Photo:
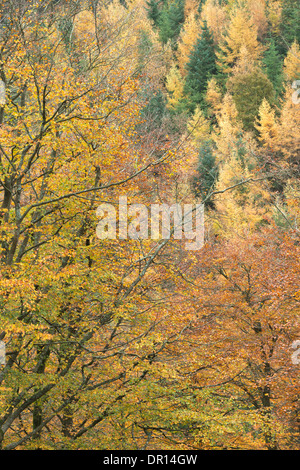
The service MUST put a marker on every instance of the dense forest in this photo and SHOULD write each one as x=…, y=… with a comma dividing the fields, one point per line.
x=140, y=343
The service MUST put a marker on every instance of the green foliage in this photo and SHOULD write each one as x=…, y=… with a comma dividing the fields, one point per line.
x=200, y=6
x=170, y=21
x=154, y=11
x=248, y=91
x=290, y=22
x=200, y=68
x=273, y=65
x=207, y=173
x=155, y=108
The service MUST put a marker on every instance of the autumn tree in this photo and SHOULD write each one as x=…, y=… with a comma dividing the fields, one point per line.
x=241, y=32
x=273, y=64
x=249, y=87
x=289, y=25
x=154, y=11
x=186, y=41
x=82, y=329
x=248, y=299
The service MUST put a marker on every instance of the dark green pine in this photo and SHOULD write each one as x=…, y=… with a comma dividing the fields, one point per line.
x=200, y=67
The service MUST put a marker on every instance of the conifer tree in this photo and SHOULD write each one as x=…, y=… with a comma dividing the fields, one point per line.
x=200, y=68
x=154, y=12
x=207, y=173
x=215, y=14
x=273, y=65
x=174, y=86
x=241, y=33
x=290, y=22
x=186, y=41
x=266, y=125
x=292, y=63
x=213, y=96
x=198, y=127
x=170, y=22
x=249, y=85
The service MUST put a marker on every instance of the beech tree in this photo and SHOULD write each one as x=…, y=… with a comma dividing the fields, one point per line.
x=78, y=349
x=137, y=342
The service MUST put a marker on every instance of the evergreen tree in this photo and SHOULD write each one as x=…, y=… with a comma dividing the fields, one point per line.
x=170, y=21
x=154, y=12
x=290, y=23
x=273, y=66
x=155, y=109
x=241, y=33
x=200, y=67
x=207, y=173
x=200, y=6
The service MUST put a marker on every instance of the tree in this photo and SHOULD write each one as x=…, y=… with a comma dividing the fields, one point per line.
x=213, y=96
x=291, y=67
x=200, y=67
x=267, y=124
x=214, y=13
x=248, y=298
x=207, y=174
x=175, y=88
x=171, y=21
x=81, y=327
x=241, y=32
x=257, y=10
x=228, y=129
x=198, y=127
x=249, y=86
x=154, y=11
x=273, y=64
x=186, y=41
x=289, y=26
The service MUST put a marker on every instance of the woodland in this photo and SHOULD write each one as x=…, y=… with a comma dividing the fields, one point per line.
x=142, y=344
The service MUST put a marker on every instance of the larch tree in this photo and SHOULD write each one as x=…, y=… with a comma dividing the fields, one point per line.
x=241, y=32
x=186, y=41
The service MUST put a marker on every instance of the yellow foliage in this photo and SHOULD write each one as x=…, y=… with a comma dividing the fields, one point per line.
x=288, y=140
x=241, y=32
x=216, y=17
x=274, y=11
x=228, y=127
x=198, y=127
x=190, y=6
x=257, y=9
x=84, y=25
x=187, y=39
x=244, y=206
x=267, y=124
x=292, y=63
x=175, y=86
x=213, y=95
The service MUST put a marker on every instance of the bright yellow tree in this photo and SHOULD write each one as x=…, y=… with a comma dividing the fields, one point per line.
x=187, y=39
x=241, y=32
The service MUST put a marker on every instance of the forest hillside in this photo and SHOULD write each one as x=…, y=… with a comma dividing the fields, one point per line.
x=115, y=336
